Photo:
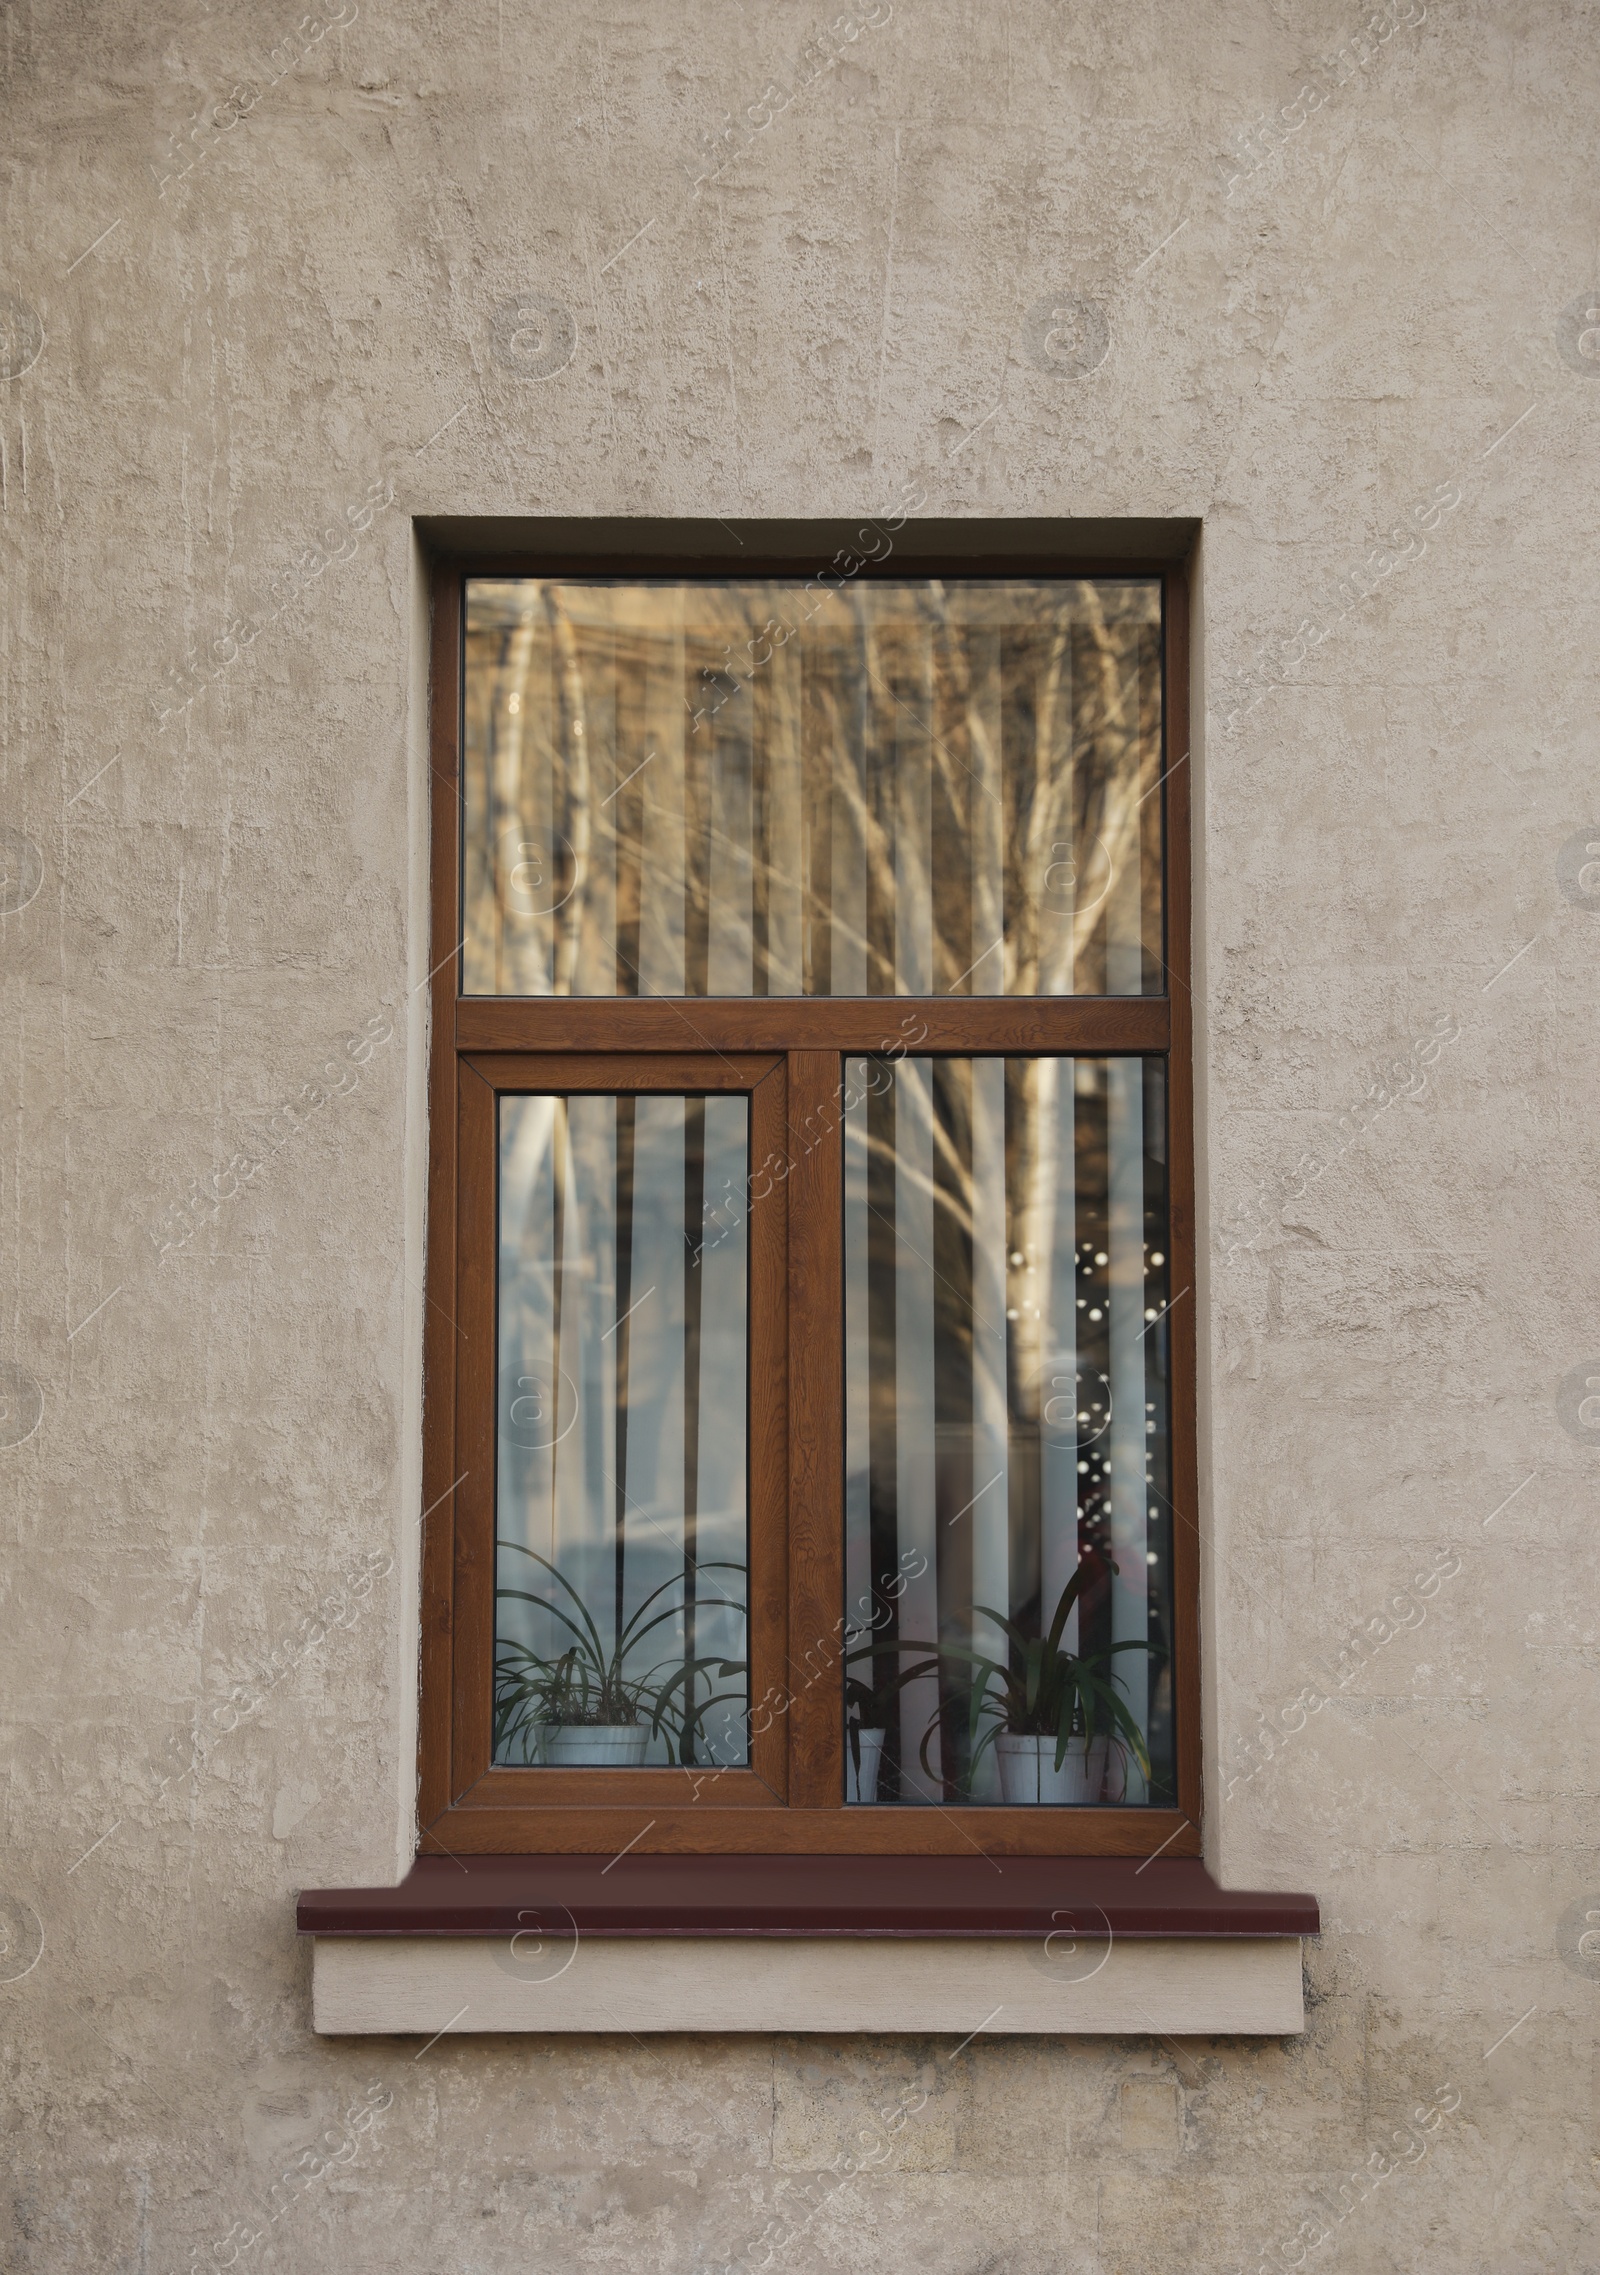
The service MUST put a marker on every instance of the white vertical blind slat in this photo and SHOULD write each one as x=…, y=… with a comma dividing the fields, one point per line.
x=990, y=1510
x=1130, y=1593
x=915, y=1413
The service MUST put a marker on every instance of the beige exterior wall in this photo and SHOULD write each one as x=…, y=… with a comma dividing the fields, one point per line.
x=1388, y=310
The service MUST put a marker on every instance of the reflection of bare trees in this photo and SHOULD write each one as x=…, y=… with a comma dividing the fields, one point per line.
x=1041, y=1165
x=937, y=788
x=570, y=737
x=1011, y=1215
x=621, y=1420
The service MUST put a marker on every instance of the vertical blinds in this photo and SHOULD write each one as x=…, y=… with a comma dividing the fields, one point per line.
x=1006, y=1370
x=621, y=1489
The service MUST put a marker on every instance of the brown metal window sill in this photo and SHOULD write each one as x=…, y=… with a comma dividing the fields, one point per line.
x=807, y=1896
x=823, y=1943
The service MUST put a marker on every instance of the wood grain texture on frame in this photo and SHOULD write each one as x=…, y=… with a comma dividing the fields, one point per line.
x=785, y=1052
x=768, y=1427
x=477, y=1150
x=815, y=1188
x=490, y=1828
x=440, y=1336
x=1180, y=1181
x=602, y=1072
x=484, y=1079
x=1066, y=1026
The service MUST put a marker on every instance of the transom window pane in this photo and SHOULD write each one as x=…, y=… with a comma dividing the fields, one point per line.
x=1008, y=1510
x=621, y=1513
x=784, y=789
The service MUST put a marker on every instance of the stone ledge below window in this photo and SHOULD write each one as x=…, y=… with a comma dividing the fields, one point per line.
x=451, y=1986
x=829, y=1944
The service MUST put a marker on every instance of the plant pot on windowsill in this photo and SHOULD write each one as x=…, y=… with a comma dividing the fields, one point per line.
x=580, y=1707
x=1028, y=1771
x=863, y=1755
x=1108, y=1769
x=595, y=1745
x=1056, y=1695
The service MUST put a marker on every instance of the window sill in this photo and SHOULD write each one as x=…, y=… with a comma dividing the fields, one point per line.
x=836, y=1944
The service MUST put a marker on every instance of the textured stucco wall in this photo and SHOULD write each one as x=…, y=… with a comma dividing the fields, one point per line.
x=201, y=910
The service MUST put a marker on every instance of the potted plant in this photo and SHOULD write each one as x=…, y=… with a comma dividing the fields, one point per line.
x=863, y=1739
x=868, y=1707
x=582, y=1707
x=1052, y=1717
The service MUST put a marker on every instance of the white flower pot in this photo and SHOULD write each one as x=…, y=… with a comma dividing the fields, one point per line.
x=596, y=1745
x=865, y=1786
x=1028, y=1770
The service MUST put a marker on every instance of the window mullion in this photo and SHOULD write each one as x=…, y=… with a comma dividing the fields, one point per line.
x=813, y=1162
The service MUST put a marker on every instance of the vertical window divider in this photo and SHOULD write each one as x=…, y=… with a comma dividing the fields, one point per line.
x=1187, y=1282
x=814, y=1183
x=439, y=1336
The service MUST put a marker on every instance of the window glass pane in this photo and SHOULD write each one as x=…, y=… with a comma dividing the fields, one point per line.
x=1008, y=1517
x=620, y=1494
x=774, y=788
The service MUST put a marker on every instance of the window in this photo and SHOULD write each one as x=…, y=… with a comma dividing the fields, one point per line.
x=810, y=1406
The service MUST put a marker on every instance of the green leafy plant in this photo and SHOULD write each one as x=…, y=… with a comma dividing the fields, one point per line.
x=860, y=1703
x=868, y=1704
x=1039, y=1690
x=589, y=1684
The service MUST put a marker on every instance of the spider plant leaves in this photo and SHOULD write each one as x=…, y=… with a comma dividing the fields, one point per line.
x=589, y=1682
x=1038, y=1690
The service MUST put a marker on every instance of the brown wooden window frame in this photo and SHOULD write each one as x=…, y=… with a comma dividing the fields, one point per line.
x=785, y=1053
